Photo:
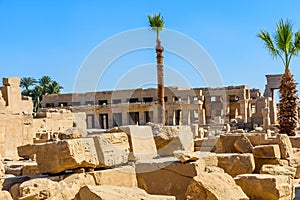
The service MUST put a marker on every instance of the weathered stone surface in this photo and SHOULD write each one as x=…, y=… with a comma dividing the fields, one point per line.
x=121, y=176
x=31, y=171
x=259, y=162
x=226, y=142
x=243, y=145
x=110, y=192
x=173, y=138
x=112, y=149
x=141, y=142
x=278, y=170
x=167, y=176
x=40, y=188
x=285, y=145
x=27, y=151
x=266, y=151
x=4, y=195
x=265, y=186
x=235, y=164
x=10, y=181
x=184, y=156
x=71, y=185
x=55, y=157
x=72, y=133
x=213, y=186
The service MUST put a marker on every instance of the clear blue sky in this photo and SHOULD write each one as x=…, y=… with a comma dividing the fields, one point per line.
x=43, y=37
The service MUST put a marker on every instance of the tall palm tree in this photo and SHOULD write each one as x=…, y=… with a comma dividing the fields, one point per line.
x=54, y=88
x=26, y=83
x=37, y=94
x=285, y=45
x=156, y=23
x=44, y=82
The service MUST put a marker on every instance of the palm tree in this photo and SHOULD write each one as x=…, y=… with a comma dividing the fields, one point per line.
x=44, y=82
x=26, y=83
x=54, y=88
x=285, y=45
x=156, y=23
x=37, y=94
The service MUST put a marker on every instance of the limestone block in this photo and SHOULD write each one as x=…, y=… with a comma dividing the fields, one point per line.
x=141, y=142
x=167, y=176
x=215, y=185
x=58, y=156
x=121, y=176
x=265, y=186
x=110, y=192
x=71, y=185
x=72, y=133
x=235, y=164
x=295, y=141
x=31, y=171
x=266, y=151
x=243, y=145
x=184, y=156
x=259, y=162
x=285, y=145
x=5, y=195
x=27, y=151
x=112, y=149
x=43, y=188
x=226, y=142
x=278, y=170
x=173, y=138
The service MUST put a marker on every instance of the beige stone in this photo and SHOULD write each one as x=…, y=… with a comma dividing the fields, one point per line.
x=259, y=162
x=173, y=138
x=72, y=133
x=4, y=195
x=110, y=192
x=265, y=186
x=243, y=145
x=213, y=186
x=235, y=164
x=27, y=151
x=278, y=170
x=55, y=157
x=285, y=145
x=266, y=151
x=226, y=142
x=141, y=142
x=121, y=176
x=167, y=176
x=42, y=188
x=31, y=171
x=184, y=156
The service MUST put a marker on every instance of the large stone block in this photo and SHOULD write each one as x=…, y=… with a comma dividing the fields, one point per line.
x=259, y=162
x=4, y=195
x=235, y=164
x=265, y=186
x=141, y=142
x=110, y=192
x=243, y=145
x=55, y=157
x=167, y=176
x=215, y=185
x=173, y=138
x=266, y=151
x=112, y=149
x=226, y=142
x=27, y=151
x=285, y=145
x=121, y=176
x=278, y=170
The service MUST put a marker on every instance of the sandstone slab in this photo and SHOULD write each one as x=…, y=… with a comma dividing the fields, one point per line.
x=235, y=164
x=109, y=192
x=278, y=170
x=243, y=145
x=174, y=138
x=213, y=186
x=141, y=141
x=265, y=186
x=266, y=151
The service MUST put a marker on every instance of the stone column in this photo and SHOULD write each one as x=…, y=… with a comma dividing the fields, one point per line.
x=243, y=109
x=266, y=118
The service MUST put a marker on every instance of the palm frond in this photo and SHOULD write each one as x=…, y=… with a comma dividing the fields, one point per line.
x=156, y=22
x=283, y=35
x=265, y=36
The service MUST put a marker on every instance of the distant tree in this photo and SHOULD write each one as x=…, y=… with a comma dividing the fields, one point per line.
x=285, y=45
x=26, y=83
x=45, y=85
x=156, y=23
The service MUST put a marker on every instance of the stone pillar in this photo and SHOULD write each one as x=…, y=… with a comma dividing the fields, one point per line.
x=243, y=109
x=186, y=117
x=266, y=118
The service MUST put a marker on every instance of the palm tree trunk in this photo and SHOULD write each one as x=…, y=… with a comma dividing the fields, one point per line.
x=160, y=82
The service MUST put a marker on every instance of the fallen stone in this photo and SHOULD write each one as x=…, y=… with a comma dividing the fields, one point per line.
x=225, y=144
x=110, y=192
x=5, y=195
x=55, y=157
x=259, y=162
x=243, y=145
x=173, y=138
x=43, y=188
x=235, y=164
x=265, y=186
x=121, y=176
x=213, y=186
x=285, y=145
x=31, y=171
x=141, y=141
x=266, y=151
x=27, y=151
x=10, y=181
x=72, y=133
x=278, y=170
x=167, y=176
x=184, y=156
